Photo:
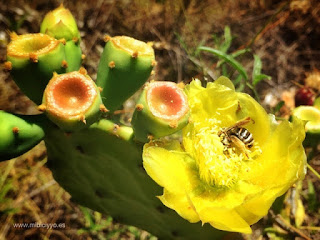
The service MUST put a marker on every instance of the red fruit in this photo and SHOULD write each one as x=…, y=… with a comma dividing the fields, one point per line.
x=304, y=96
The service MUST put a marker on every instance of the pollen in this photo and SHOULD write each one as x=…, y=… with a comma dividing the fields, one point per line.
x=219, y=165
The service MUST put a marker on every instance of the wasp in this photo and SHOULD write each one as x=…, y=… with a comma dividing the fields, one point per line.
x=237, y=136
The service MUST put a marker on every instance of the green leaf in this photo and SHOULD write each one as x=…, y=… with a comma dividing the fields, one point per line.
x=234, y=55
x=278, y=107
x=224, y=47
x=312, y=198
x=240, y=52
x=228, y=58
x=256, y=73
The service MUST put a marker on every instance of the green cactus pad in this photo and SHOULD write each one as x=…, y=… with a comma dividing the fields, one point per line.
x=32, y=59
x=162, y=110
x=125, y=65
x=18, y=134
x=72, y=101
x=104, y=172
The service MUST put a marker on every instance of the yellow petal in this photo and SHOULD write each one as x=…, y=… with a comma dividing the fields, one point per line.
x=181, y=204
x=283, y=159
x=222, y=217
x=248, y=107
x=167, y=165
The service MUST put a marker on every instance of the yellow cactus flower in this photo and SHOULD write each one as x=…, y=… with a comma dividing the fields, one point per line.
x=233, y=162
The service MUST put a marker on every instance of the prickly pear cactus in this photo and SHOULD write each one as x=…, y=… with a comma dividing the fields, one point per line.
x=100, y=162
x=102, y=169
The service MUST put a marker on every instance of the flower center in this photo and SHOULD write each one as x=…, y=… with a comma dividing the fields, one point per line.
x=222, y=156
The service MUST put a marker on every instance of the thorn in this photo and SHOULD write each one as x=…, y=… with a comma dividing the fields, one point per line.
x=64, y=64
x=82, y=118
x=135, y=54
x=13, y=36
x=173, y=124
x=152, y=72
x=55, y=74
x=63, y=41
x=75, y=39
x=33, y=57
x=112, y=64
x=100, y=89
x=150, y=44
x=83, y=56
x=150, y=137
x=83, y=71
x=67, y=134
x=153, y=63
x=15, y=130
x=8, y=66
x=42, y=108
x=103, y=108
x=116, y=127
x=139, y=107
x=130, y=120
x=181, y=85
x=106, y=38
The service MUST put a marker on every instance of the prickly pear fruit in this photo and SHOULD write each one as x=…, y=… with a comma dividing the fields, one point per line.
x=18, y=134
x=311, y=115
x=60, y=24
x=304, y=96
x=104, y=172
x=32, y=59
x=124, y=67
x=161, y=110
x=72, y=101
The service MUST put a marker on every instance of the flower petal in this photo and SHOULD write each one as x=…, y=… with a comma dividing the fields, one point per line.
x=181, y=204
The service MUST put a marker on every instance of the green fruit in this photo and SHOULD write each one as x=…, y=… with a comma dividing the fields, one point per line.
x=124, y=67
x=162, y=110
x=312, y=117
x=32, y=59
x=18, y=134
x=60, y=24
x=73, y=55
x=72, y=101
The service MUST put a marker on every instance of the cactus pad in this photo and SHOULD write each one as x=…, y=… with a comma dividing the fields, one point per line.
x=93, y=167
